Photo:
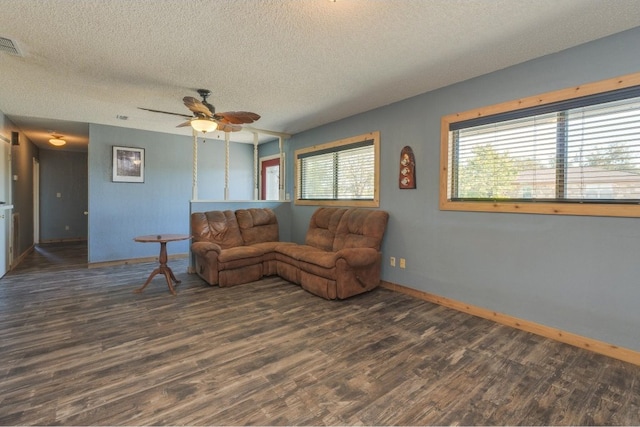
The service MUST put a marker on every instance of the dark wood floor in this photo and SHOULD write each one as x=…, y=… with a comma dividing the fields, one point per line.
x=78, y=347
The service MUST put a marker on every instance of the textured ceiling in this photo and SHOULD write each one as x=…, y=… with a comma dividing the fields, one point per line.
x=298, y=63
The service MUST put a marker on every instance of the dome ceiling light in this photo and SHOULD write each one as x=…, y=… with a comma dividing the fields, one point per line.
x=57, y=140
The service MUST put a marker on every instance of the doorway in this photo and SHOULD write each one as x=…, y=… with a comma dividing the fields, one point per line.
x=5, y=206
x=270, y=178
x=36, y=201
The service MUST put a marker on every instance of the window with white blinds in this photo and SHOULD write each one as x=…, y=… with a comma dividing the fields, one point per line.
x=561, y=157
x=343, y=172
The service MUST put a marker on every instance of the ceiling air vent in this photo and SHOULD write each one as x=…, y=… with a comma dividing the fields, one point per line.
x=8, y=46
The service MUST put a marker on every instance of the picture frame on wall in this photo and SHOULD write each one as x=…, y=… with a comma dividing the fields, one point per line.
x=128, y=164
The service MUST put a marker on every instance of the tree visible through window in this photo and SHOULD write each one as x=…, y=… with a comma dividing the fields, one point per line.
x=579, y=150
x=487, y=174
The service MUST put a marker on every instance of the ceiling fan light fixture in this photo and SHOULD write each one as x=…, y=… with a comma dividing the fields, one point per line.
x=57, y=141
x=204, y=125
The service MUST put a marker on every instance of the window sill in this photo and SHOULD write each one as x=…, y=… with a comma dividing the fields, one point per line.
x=544, y=208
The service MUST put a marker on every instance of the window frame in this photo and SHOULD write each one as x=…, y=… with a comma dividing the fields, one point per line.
x=531, y=207
x=375, y=202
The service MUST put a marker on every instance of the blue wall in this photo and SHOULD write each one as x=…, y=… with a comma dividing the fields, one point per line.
x=579, y=274
x=118, y=211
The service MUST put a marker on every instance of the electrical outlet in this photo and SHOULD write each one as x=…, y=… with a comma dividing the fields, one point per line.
x=403, y=263
x=392, y=261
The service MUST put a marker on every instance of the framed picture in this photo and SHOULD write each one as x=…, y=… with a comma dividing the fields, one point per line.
x=128, y=164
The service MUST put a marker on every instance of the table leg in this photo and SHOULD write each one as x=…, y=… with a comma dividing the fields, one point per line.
x=164, y=269
x=151, y=276
x=168, y=274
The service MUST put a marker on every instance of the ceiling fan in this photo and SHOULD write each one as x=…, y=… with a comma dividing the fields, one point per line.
x=205, y=119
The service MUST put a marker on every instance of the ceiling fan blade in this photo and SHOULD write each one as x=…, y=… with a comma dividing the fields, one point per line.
x=227, y=127
x=197, y=106
x=164, y=112
x=237, y=117
x=187, y=123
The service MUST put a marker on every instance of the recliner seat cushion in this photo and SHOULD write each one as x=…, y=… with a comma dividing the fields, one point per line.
x=294, y=251
x=239, y=253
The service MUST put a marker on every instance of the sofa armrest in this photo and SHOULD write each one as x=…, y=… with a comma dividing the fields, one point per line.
x=202, y=248
x=357, y=268
x=358, y=257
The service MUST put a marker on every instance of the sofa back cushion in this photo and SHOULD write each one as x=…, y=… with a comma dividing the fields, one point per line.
x=361, y=228
x=322, y=227
x=220, y=227
x=258, y=225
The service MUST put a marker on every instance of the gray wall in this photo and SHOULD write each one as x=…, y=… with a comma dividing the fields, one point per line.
x=22, y=190
x=118, y=211
x=579, y=274
x=63, y=173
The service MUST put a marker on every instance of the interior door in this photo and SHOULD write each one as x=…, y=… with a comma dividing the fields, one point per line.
x=270, y=179
x=4, y=238
x=5, y=213
x=36, y=201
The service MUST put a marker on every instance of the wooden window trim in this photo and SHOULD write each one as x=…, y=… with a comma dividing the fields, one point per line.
x=550, y=208
x=375, y=137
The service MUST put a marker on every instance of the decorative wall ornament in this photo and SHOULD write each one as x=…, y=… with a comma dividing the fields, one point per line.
x=407, y=179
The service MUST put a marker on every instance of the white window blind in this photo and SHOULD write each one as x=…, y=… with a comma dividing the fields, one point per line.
x=341, y=173
x=586, y=150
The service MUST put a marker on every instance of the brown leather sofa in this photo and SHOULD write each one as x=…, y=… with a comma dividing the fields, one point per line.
x=340, y=258
x=231, y=248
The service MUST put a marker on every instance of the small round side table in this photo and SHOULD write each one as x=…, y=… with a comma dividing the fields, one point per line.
x=163, y=268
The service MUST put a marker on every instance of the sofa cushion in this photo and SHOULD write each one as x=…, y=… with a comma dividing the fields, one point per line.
x=355, y=257
x=220, y=227
x=322, y=259
x=258, y=225
x=239, y=253
x=268, y=247
x=322, y=227
x=294, y=251
x=361, y=228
